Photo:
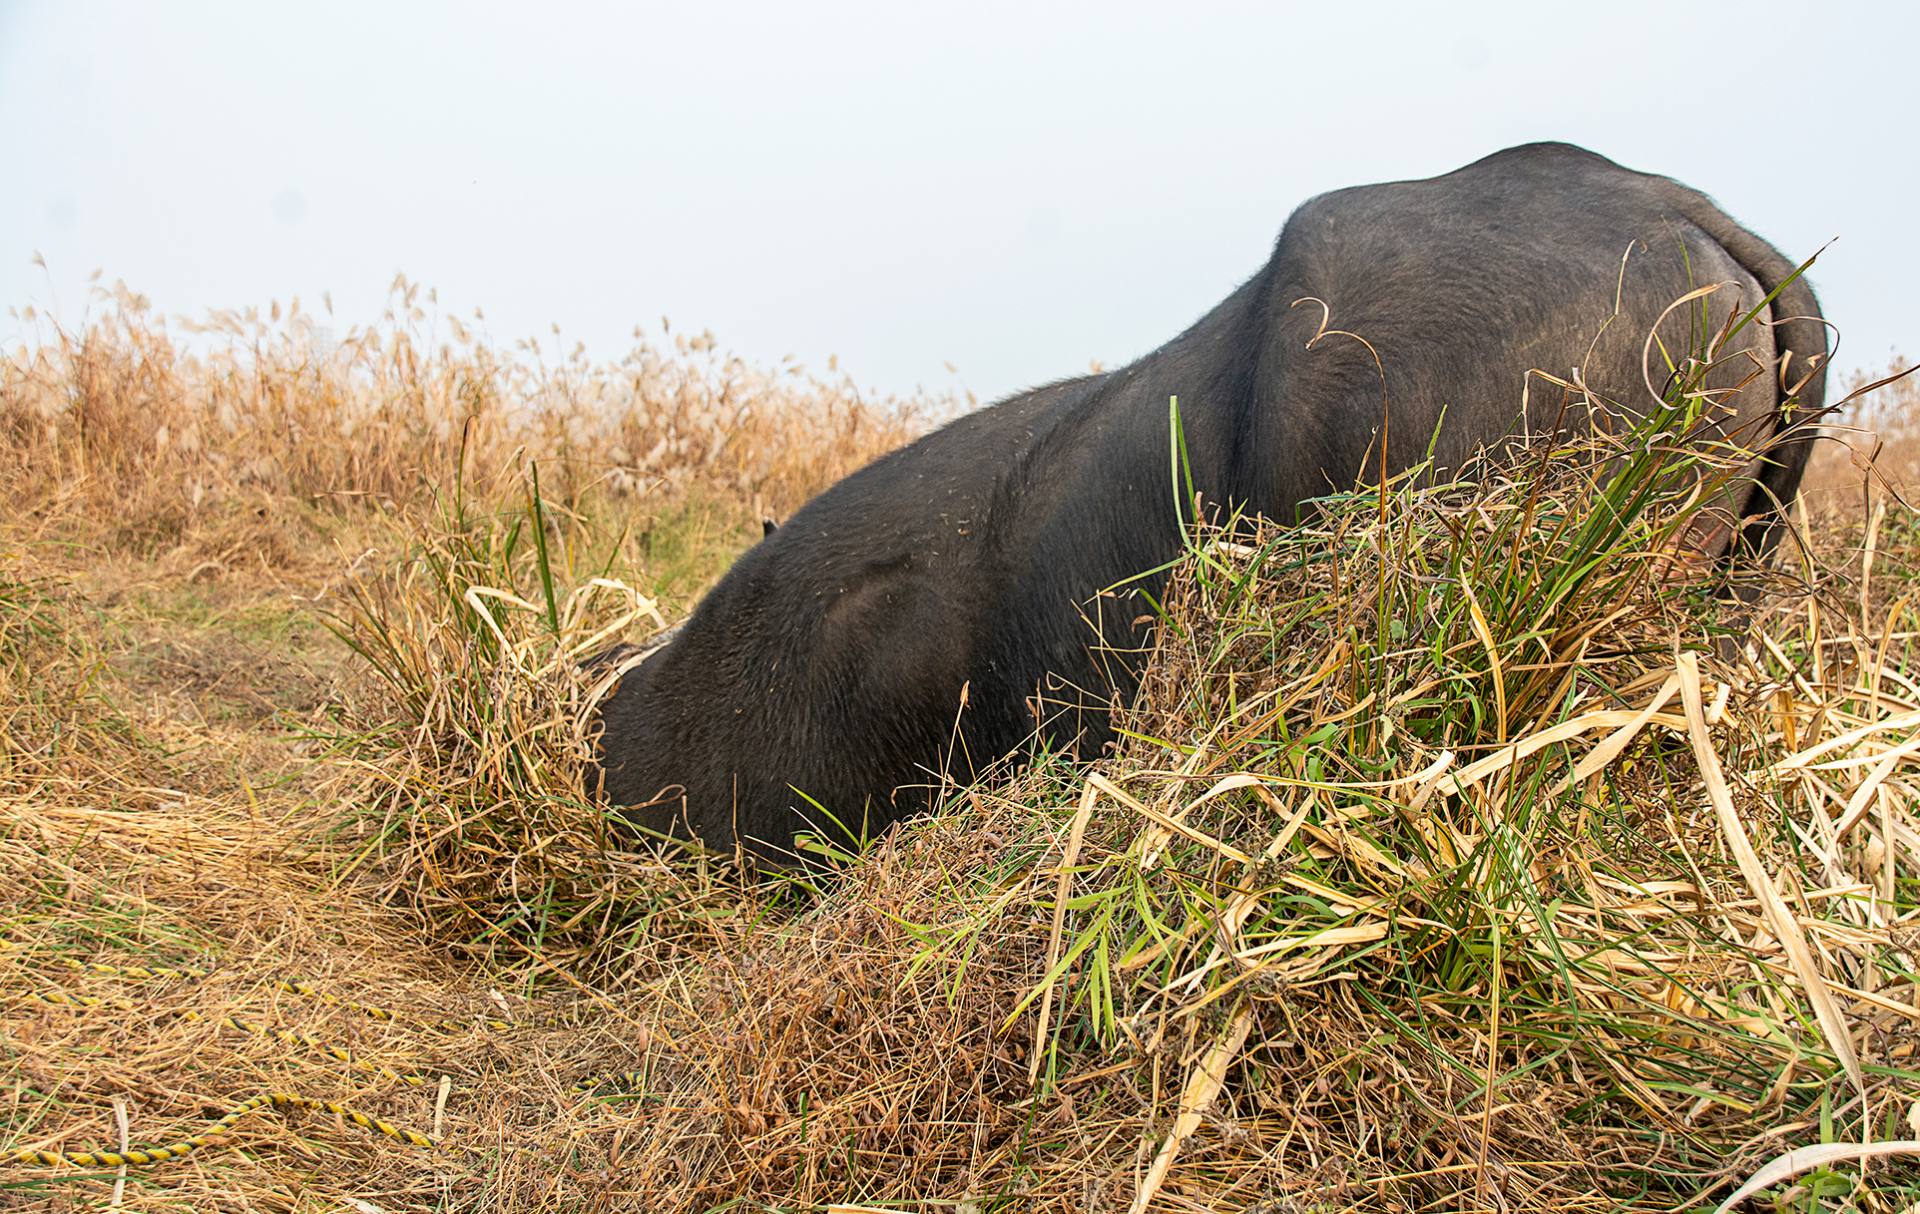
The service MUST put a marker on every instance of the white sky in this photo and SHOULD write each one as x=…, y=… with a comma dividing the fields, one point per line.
x=1016, y=189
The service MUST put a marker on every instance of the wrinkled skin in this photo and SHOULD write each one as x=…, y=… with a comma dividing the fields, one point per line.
x=832, y=657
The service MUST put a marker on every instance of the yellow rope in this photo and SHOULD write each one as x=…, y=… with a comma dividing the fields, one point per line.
x=185, y=1146
x=192, y=1143
x=184, y=973
x=622, y=1078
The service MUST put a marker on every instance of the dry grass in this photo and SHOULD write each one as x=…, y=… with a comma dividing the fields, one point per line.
x=127, y=434
x=1428, y=877
x=1875, y=445
x=476, y=762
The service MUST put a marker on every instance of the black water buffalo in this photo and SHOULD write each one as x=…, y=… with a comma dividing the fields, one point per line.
x=826, y=670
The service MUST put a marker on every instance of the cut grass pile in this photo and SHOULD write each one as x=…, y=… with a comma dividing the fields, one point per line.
x=1463, y=851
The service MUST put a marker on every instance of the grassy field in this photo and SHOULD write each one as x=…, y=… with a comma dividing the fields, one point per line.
x=1427, y=876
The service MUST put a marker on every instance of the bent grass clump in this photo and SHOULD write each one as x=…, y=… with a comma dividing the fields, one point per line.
x=476, y=781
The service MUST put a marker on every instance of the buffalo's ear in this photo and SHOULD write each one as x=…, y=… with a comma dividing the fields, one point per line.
x=768, y=527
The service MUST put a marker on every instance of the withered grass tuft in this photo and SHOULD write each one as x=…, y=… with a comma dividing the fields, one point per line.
x=1465, y=848
x=471, y=766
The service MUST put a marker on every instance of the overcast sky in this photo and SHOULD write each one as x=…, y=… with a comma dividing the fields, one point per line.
x=1013, y=189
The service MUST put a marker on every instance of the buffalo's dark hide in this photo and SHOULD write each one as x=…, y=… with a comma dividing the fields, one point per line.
x=830, y=660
